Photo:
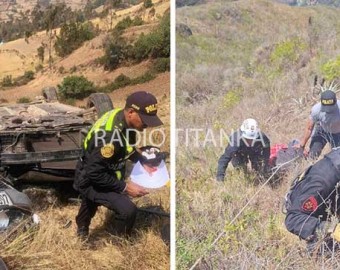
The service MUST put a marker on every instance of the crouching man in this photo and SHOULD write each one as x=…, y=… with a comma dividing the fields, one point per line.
x=312, y=201
x=248, y=144
x=100, y=172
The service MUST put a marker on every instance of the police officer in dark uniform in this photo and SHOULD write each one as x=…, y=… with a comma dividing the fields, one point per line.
x=246, y=144
x=313, y=198
x=100, y=172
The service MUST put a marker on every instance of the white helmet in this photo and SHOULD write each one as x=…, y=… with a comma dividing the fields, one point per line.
x=249, y=129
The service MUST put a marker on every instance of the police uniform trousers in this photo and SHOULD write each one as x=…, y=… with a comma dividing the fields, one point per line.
x=125, y=210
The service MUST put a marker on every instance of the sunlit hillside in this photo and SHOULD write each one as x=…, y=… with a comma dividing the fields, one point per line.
x=23, y=75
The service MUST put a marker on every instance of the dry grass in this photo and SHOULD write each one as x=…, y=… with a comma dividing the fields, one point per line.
x=226, y=73
x=52, y=246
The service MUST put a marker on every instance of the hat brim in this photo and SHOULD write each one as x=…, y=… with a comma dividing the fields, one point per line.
x=151, y=120
x=329, y=108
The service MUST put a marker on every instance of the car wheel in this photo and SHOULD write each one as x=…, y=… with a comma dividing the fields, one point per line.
x=3, y=265
x=50, y=94
x=101, y=102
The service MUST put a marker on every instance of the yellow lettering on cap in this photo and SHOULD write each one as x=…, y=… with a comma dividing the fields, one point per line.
x=327, y=101
x=135, y=107
x=151, y=108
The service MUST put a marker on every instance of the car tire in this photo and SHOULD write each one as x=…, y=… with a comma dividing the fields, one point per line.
x=101, y=102
x=3, y=265
x=50, y=94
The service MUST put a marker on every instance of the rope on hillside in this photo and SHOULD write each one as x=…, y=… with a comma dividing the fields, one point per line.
x=241, y=211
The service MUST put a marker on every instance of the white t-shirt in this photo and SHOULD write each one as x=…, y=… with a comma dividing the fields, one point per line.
x=329, y=122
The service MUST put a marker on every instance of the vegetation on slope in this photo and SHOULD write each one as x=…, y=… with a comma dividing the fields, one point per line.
x=244, y=59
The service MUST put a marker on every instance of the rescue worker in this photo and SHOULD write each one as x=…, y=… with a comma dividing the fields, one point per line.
x=100, y=172
x=246, y=144
x=312, y=200
x=323, y=125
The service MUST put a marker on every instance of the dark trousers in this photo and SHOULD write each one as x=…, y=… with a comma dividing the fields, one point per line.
x=123, y=207
x=240, y=161
x=320, y=139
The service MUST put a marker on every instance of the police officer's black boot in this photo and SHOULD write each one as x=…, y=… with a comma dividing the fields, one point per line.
x=83, y=232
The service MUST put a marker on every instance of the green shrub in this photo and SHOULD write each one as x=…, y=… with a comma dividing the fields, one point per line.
x=137, y=21
x=147, y=76
x=41, y=53
x=148, y=3
x=161, y=65
x=232, y=98
x=29, y=75
x=73, y=69
x=122, y=80
x=115, y=52
x=287, y=53
x=24, y=79
x=155, y=44
x=24, y=100
x=128, y=22
x=39, y=67
x=61, y=69
x=7, y=81
x=76, y=87
x=331, y=69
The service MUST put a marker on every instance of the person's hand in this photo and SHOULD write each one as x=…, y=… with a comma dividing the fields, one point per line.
x=135, y=190
x=300, y=149
x=298, y=146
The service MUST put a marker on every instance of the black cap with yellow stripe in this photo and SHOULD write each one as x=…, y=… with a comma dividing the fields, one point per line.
x=146, y=105
x=328, y=101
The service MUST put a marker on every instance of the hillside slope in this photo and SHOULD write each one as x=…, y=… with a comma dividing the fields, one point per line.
x=54, y=246
x=244, y=59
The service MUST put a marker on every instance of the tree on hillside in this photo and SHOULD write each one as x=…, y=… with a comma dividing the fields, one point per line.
x=115, y=52
x=110, y=5
x=72, y=36
x=41, y=52
x=148, y=3
x=52, y=18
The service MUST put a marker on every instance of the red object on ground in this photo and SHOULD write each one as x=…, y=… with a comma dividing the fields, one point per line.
x=273, y=152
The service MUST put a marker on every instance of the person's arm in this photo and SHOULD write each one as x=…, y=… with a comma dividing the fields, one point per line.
x=301, y=224
x=266, y=154
x=99, y=172
x=224, y=161
x=136, y=156
x=307, y=133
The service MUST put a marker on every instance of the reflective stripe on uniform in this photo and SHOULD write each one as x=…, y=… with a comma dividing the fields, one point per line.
x=106, y=122
x=106, y=119
x=118, y=174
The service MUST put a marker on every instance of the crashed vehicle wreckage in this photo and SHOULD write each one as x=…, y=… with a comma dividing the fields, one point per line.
x=41, y=140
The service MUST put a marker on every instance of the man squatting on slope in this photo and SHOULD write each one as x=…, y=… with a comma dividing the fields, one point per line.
x=100, y=172
x=323, y=125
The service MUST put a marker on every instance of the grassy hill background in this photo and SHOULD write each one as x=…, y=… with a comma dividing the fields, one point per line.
x=54, y=246
x=245, y=59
